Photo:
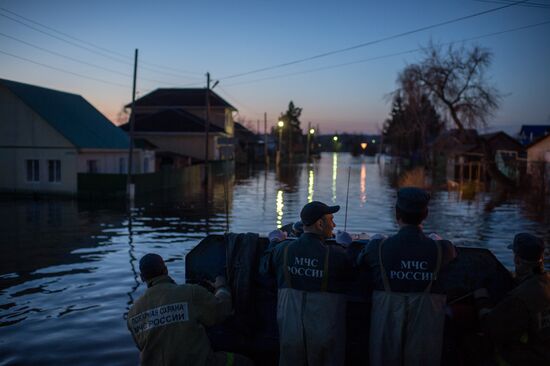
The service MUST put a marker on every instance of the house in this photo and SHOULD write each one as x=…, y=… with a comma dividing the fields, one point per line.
x=538, y=156
x=173, y=119
x=175, y=133
x=539, y=150
x=530, y=133
x=509, y=154
x=464, y=152
x=248, y=146
x=48, y=137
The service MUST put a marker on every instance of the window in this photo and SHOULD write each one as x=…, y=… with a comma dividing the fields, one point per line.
x=92, y=166
x=146, y=165
x=33, y=170
x=54, y=170
x=122, y=166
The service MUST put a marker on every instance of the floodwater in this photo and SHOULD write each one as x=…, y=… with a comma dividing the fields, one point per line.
x=69, y=269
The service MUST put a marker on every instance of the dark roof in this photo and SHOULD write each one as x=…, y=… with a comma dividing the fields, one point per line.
x=179, y=97
x=170, y=120
x=71, y=115
x=456, y=141
x=499, y=141
x=244, y=134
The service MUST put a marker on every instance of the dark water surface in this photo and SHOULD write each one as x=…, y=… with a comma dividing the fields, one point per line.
x=68, y=269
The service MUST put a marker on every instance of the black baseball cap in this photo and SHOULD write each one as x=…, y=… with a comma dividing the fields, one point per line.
x=151, y=265
x=527, y=246
x=314, y=210
x=412, y=200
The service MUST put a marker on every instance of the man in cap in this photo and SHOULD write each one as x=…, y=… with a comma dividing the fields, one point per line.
x=311, y=313
x=407, y=314
x=168, y=322
x=520, y=324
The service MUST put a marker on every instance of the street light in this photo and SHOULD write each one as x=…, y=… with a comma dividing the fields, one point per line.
x=335, y=138
x=311, y=131
x=364, y=145
x=281, y=124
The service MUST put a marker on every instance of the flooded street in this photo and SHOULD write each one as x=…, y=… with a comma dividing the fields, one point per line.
x=69, y=269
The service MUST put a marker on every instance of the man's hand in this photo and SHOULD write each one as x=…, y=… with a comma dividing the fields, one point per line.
x=343, y=238
x=220, y=282
x=378, y=237
x=435, y=236
x=277, y=236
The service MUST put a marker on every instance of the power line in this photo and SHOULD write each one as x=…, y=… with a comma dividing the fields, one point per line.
x=65, y=71
x=386, y=56
x=527, y=4
x=81, y=61
x=238, y=102
x=120, y=59
x=370, y=43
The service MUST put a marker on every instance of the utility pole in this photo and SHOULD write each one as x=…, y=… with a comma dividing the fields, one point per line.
x=206, y=129
x=265, y=140
x=130, y=188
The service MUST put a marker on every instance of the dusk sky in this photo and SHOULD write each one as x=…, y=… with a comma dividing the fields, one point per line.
x=87, y=47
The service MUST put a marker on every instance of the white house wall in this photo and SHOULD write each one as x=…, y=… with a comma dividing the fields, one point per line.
x=539, y=151
x=24, y=135
x=13, y=165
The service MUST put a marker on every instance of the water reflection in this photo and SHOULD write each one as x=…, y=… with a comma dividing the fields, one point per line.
x=334, y=175
x=279, y=208
x=310, y=184
x=69, y=270
x=363, y=184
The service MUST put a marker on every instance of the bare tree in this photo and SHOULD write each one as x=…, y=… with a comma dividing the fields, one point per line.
x=455, y=80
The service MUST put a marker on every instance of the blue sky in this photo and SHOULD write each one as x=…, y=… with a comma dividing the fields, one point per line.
x=179, y=41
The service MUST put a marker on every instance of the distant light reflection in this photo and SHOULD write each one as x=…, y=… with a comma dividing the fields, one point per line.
x=310, y=185
x=334, y=175
x=363, y=196
x=279, y=208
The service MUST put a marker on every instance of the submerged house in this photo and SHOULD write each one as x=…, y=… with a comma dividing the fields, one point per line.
x=173, y=119
x=249, y=147
x=463, y=154
x=538, y=163
x=49, y=137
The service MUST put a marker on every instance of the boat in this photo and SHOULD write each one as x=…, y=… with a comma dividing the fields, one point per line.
x=252, y=329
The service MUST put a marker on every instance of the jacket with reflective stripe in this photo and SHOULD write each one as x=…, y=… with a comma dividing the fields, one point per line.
x=168, y=322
